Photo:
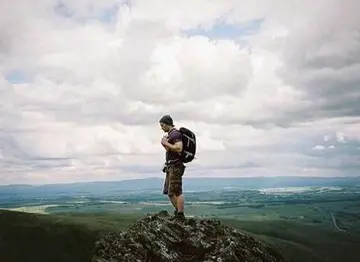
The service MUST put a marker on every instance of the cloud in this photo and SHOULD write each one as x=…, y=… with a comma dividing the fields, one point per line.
x=267, y=90
x=324, y=62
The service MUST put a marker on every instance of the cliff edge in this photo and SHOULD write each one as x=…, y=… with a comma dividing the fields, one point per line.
x=160, y=238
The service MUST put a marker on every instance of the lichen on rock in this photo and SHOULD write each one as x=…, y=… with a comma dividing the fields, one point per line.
x=160, y=238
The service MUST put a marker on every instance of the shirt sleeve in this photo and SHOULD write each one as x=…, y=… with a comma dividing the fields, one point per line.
x=176, y=137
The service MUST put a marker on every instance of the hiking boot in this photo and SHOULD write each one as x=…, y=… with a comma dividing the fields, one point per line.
x=175, y=215
x=180, y=216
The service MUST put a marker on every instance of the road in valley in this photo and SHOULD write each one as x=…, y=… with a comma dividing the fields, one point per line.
x=334, y=222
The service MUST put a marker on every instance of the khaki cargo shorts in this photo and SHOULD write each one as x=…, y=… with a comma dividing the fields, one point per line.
x=173, y=180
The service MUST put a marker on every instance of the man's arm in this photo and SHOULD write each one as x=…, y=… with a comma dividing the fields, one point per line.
x=177, y=147
x=166, y=148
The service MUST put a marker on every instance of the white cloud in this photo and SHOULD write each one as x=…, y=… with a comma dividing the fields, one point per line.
x=340, y=137
x=97, y=76
x=319, y=147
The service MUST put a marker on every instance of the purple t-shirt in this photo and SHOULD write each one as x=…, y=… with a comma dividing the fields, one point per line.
x=171, y=156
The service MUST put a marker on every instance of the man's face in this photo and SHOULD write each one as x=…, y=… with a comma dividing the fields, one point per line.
x=164, y=127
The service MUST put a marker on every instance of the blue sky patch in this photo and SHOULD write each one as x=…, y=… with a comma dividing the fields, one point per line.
x=16, y=77
x=106, y=15
x=221, y=30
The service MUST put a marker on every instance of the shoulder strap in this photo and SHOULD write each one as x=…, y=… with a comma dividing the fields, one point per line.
x=172, y=130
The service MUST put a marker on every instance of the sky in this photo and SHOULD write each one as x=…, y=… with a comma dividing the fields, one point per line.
x=269, y=88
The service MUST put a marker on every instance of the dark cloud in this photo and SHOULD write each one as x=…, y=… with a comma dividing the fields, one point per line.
x=324, y=63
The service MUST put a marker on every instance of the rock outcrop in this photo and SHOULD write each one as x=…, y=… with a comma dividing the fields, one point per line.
x=159, y=238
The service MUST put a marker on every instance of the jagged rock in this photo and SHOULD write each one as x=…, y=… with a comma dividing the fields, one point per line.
x=159, y=238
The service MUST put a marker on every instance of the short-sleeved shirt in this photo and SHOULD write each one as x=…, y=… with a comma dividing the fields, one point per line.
x=171, y=156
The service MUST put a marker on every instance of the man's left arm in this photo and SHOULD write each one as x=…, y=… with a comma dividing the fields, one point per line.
x=177, y=146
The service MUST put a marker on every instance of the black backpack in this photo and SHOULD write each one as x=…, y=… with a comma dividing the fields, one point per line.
x=189, y=145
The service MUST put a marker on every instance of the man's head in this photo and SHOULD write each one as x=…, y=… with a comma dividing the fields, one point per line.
x=166, y=123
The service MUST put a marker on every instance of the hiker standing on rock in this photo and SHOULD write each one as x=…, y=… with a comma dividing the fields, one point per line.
x=174, y=166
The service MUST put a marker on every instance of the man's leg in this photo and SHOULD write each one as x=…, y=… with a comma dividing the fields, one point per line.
x=166, y=190
x=174, y=202
x=180, y=203
x=175, y=188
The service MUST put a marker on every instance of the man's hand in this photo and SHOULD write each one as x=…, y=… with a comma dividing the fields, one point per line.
x=163, y=143
x=177, y=147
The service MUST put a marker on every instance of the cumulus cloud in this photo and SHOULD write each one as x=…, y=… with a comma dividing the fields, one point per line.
x=83, y=84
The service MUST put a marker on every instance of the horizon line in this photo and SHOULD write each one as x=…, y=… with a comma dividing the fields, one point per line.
x=187, y=178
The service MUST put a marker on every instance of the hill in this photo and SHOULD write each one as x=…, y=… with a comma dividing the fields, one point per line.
x=72, y=237
x=160, y=238
x=61, y=238
x=301, y=242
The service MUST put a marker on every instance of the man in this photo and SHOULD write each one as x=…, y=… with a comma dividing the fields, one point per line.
x=174, y=167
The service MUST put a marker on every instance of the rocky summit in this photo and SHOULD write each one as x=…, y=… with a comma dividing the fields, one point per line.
x=160, y=238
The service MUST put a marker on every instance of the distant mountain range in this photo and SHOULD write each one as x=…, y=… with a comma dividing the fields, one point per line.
x=155, y=184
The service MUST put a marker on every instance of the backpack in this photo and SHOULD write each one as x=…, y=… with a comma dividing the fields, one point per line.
x=189, y=145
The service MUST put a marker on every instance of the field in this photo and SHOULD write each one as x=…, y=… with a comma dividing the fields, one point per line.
x=314, y=222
